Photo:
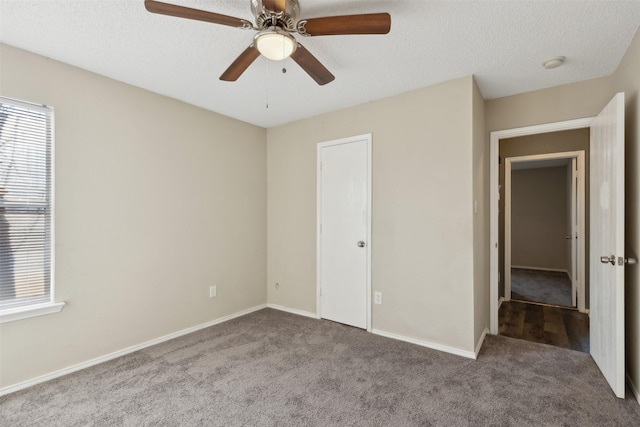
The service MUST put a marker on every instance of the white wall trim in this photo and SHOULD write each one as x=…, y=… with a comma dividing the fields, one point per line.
x=34, y=310
x=481, y=341
x=123, y=352
x=294, y=311
x=633, y=388
x=507, y=230
x=495, y=138
x=500, y=302
x=431, y=345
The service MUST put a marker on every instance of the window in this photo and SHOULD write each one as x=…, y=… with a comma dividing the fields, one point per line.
x=26, y=135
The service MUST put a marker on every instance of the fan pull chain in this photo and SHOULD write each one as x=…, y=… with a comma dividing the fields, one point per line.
x=286, y=58
x=266, y=85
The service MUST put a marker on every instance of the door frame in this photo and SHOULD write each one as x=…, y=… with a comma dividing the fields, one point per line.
x=494, y=142
x=366, y=137
x=580, y=248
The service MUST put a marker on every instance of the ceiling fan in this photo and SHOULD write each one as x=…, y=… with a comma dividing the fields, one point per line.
x=276, y=20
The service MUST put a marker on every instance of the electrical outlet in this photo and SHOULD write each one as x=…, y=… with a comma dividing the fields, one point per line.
x=377, y=297
x=212, y=291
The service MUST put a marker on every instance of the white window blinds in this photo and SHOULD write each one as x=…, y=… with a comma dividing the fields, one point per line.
x=25, y=204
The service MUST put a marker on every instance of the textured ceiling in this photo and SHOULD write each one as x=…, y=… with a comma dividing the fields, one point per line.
x=503, y=43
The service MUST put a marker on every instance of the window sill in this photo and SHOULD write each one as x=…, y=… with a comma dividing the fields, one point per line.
x=30, y=311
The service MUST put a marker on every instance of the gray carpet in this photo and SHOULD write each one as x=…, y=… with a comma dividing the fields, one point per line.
x=276, y=369
x=548, y=287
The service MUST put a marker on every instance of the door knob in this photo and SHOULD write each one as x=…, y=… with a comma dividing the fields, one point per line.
x=608, y=259
x=361, y=244
x=630, y=261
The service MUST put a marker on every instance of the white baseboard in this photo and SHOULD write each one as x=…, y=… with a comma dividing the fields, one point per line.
x=294, y=311
x=434, y=346
x=633, y=389
x=481, y=341
x=559, y=270
x=500, y=301
x=124, y=351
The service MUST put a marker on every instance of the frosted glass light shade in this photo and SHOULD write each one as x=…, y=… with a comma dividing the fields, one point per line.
x=275, y=45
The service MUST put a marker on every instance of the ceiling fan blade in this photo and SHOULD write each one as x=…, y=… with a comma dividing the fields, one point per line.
x=312, y=66
x=199, y=15
x=372, y=23
x=275, y=5
x=241, y=63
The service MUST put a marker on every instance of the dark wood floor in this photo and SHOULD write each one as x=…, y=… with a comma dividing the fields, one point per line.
x=544, y=324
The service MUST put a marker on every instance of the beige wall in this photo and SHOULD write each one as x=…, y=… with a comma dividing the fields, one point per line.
x=572, y=101
x=155, y=201
x=481, y=236
x=539, y=218
x=627, y=79
x=422, y=213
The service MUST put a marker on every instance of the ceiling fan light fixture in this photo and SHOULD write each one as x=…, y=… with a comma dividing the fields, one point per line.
x=275, y=44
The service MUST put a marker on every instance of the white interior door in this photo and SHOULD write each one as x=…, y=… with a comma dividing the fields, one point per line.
x=607, y=243
x=343, y=228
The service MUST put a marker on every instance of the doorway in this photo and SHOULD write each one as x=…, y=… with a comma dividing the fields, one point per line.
x=543, y=220
x=517, y=137
x=344, y=231
x=544, y=227
x=606, y=212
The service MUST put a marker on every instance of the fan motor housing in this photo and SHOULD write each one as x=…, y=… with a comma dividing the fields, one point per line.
x=285, y=20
